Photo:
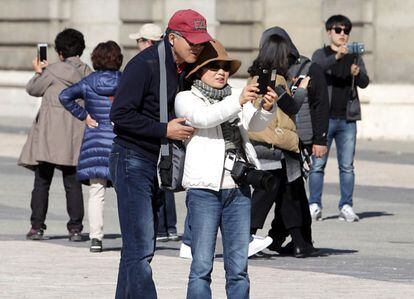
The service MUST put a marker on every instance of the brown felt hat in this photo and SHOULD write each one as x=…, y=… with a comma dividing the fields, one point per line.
x=214, y=51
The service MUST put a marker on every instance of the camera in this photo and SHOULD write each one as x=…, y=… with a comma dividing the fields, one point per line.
x=356, y=48
x=246, y=173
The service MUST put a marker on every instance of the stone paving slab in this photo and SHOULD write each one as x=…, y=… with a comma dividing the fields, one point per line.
x=43, y=270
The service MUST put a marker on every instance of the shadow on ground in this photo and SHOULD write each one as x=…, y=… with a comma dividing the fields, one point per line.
x=363, y=215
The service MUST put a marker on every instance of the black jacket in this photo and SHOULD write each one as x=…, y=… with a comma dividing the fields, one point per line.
x=135, y=110
x=338, y=77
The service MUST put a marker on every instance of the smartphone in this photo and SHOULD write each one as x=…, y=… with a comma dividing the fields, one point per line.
x=266, y=78
x=42, y=52
x=297, y=83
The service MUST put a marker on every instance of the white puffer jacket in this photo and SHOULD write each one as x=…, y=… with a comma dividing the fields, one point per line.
x=205, y=151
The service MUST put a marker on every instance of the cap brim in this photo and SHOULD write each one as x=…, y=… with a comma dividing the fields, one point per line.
x=135, y=36
x=197, y=37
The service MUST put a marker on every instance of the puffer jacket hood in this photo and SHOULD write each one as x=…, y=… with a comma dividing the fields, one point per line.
x=104, y=82
x=282, y=33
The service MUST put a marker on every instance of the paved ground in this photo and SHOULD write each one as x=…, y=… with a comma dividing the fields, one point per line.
x=373, y=258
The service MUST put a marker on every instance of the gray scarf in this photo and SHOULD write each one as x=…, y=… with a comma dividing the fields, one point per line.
x=212, y=94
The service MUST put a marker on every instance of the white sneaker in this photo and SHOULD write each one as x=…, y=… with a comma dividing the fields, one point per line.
x=258, y=244
x=185, y=252
x=348, y=214
x=315, y=211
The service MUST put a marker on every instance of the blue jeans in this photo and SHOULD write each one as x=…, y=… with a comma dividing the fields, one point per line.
x=344, y=134
x=228, y=209
x=135, y=181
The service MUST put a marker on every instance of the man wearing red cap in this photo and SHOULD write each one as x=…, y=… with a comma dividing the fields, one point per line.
x=133, y=160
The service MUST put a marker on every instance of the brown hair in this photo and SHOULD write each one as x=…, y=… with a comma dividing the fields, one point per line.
x=107, y=56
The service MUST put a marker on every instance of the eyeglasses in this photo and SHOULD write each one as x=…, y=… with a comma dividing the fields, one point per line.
x=338, y=30
x=215, y=66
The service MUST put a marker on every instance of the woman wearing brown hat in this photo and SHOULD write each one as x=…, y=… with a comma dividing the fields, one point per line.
x=222, y=116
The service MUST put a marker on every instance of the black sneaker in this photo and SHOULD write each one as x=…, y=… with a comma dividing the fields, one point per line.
x=75, y=235
x=96, y=245
x=174, y=237
x=35, y=234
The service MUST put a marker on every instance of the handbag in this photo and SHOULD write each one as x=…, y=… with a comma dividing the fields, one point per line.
x=353, y=106
x=172, y=158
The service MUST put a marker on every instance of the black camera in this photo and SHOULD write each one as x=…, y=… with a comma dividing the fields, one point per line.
x=246, y=173
x=356, y=48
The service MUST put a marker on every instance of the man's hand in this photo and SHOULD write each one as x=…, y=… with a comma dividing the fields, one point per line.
x=354, y=70
x=249, y=93
x=90, y=122
x=176, y=129
x=342, y=50
x=39, y=66
x=319, y=150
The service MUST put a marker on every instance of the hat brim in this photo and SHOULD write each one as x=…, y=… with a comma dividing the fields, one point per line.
x=234, y=66
x=136, y=36
x=196, y=37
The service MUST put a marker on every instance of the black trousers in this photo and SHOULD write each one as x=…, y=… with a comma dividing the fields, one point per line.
x=291, y=208
x=167, y=215
x=40, y=196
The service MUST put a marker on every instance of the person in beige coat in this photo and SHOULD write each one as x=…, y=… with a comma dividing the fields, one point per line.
x=55, y=137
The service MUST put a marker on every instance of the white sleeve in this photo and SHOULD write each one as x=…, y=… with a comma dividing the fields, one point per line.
x=204, y=116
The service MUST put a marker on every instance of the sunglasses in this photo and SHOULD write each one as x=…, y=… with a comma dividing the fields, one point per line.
x=215, y=66
x=338, y=30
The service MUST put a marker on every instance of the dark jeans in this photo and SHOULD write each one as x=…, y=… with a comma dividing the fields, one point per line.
x=291, y=208
x=135, y=181
x=40, y=196
x=167, y=215
x=229, y=210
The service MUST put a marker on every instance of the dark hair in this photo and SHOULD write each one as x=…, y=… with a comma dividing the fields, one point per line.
x=69, y=43
x=107, y=56
x=272, y=55
x=338, y=20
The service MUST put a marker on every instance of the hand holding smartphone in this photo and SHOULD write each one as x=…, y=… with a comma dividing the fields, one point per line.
x=266, y=78
x=42, y=52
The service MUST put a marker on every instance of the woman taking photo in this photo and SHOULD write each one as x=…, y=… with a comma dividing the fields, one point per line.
x=221, y=115
x=277, y=148
x=97, y=90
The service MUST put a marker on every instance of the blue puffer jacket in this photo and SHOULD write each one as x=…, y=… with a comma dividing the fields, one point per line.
x=97, y=90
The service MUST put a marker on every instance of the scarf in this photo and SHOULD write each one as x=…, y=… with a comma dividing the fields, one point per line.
x=212, y=94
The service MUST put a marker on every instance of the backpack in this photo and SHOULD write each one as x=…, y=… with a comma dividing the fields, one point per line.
x=171, y=162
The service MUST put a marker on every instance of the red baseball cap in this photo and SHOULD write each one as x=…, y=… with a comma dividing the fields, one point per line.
x=191, y=25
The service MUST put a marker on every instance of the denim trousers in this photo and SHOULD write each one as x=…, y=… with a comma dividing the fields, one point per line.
x=229, y=210
x=344, y=134
x=135, y=181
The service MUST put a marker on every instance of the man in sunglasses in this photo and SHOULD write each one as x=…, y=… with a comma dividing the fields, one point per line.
x=133, y=160
x=342, y=70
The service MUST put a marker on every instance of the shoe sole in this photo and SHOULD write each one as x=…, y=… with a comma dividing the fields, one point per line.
x=34, y=238
x=95, y=249
x=75, y=239
x=348, y=220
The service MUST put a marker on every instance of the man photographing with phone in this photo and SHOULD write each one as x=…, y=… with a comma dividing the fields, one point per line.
x=342, y=70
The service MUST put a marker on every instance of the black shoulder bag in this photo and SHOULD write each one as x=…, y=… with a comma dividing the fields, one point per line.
x=171, y=163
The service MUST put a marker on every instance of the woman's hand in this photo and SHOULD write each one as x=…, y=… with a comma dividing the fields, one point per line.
x=269, y=99
x=249, y=93
x=39, y=66
x=90, y=122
